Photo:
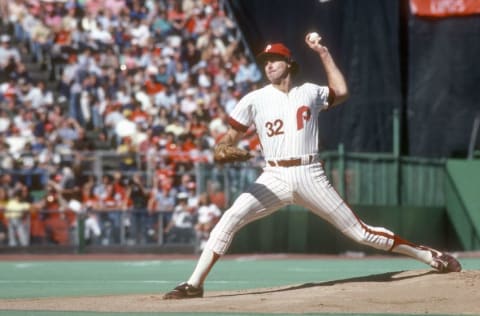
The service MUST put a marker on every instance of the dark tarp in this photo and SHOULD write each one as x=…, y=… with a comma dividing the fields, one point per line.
x=427, y=70
x=443, y=84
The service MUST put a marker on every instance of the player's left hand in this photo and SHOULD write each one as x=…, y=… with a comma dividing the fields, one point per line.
x=224, y=153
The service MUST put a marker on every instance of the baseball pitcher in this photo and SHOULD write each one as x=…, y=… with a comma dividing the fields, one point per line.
x=285, y=117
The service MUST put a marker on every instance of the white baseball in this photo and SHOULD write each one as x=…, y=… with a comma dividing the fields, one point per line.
x=313, y=37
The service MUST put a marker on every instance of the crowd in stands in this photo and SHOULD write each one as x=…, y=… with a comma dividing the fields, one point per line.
x=154, y=79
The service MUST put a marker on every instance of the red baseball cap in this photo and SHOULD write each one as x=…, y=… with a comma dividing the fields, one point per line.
x=277, y=49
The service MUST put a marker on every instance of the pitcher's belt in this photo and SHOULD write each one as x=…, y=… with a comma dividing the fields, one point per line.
x=293, y=162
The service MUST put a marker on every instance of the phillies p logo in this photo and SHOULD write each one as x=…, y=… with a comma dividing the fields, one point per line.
x=303, y=115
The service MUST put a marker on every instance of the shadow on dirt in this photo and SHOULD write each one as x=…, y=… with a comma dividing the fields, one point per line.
x=383, y=277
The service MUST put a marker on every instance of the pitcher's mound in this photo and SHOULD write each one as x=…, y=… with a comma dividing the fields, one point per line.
x=412, y=292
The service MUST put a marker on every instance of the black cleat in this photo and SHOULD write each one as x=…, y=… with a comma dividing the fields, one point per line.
x=184, y=290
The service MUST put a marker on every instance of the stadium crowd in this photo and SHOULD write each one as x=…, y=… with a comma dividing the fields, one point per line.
x=142, y=78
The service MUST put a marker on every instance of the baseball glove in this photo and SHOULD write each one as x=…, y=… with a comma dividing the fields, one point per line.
x=224, y=153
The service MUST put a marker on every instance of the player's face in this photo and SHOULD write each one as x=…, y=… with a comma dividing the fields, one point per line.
x=276, y=69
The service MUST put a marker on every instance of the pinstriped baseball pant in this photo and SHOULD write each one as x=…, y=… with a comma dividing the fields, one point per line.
x=305, y=185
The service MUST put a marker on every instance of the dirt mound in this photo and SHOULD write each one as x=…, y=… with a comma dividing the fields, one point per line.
x=413, y=292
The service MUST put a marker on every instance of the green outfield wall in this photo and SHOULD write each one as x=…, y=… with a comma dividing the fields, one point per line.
x=462, y=199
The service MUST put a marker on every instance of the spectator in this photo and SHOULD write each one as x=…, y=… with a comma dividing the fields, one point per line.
x=54, y=219
x=27, y=159
x=15, y=141
x=83, y=143
x=90, y=209
x=16, y=13
x=204, y=79
x=113, y=116
x=8, y=53
x=38, y=235
x=161, y=27
x=93, y=230
x=40, y=35
x=112, y=206
x=5, y=120
x=127, y=152
x=188, y=105
x=162, y=119
x=119, y=184
x=193, y=200
x=163, y=76
x=208, y=216
x=222, y=26
x=152, y=85
x=69, y=20
x=216, y=194
x=37, y=95
x=68, y=185
x=16, y=213
x=181, y=227
x=161, y=202
x=7, y=183
x=137, y=196
x=175, y=128
x=20, y=71
x=62, y=43
x=231, y=97
x=101, y=36
x=218, y=125
x=48, y=157
x=69, y=130
x=247, y=74
x=114, y=7
x=139, y=32
x=176, y=16
x=166, y=98
x=184, y=182
x=190, y=55
x=3, y=221
x=88, y=197
x=100, y=190
x=198, y=22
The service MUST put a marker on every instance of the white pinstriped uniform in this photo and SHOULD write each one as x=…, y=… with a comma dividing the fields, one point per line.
x=287, y=126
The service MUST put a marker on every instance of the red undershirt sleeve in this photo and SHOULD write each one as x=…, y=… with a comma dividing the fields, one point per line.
x=331, y=96
x=237, y=125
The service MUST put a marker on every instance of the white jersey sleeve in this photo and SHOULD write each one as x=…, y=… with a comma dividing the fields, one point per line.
x=242, y=115
x=322, y=95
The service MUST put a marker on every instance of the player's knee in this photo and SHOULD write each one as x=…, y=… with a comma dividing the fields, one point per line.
x=359, y=237
x=231, y=218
